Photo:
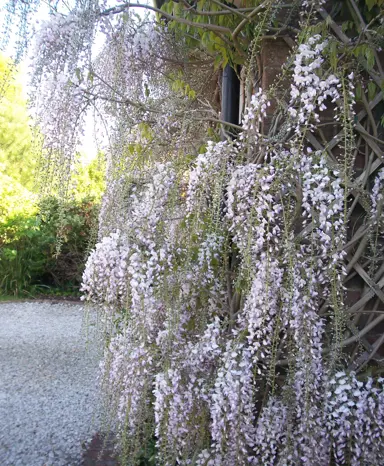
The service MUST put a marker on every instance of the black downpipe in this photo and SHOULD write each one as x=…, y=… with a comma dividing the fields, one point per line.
x=230, y=100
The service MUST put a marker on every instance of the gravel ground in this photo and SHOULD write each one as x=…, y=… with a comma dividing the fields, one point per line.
x=47, y=384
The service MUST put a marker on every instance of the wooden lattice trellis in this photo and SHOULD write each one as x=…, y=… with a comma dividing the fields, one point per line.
x=364, y=296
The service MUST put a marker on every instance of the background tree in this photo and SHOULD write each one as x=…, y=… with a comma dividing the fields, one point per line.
x=30, y=229
x=17, y=156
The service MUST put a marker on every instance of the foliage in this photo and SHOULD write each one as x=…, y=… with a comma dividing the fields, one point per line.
x=15, y=200
x=89, y=180
x=221, y=267
x=29, y=258
x=29, y=233
x=17, y=152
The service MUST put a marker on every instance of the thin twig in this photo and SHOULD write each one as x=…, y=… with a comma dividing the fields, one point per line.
x=210, y=27
x=248, y=19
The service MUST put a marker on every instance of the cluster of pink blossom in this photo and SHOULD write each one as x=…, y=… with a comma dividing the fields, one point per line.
x=232, y=407
x=126, y=375
x=308, y=330
x=62, y=51
x=67, y=39
x=271, y=432
x=123, y=272
x=122, y=83
x=114, y=213
x=61, y=137
x=323, y=204
x=246, y=359
x=261, y=309
x=209, y=251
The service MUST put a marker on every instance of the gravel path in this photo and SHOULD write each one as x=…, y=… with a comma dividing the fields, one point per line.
x=47, y=384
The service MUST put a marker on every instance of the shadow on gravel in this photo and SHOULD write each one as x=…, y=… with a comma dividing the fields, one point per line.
x=100, y=452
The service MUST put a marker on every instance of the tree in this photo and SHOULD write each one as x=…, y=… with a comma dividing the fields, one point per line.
x=224, y=268
x=17, y=157
x=89, y=180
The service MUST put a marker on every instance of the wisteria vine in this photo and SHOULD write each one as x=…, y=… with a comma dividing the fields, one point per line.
x=233, y=355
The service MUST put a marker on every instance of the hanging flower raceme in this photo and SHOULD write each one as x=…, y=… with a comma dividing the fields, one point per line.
x=181, y=396
x=253, y=117
x=58, y=93
x=104, y=279
x=377, y=198
x=232, y=408
x=271, y=432
x=355, y=419
x=208, y=177
x=126, y=376
x=253, y=209
x=310, y=91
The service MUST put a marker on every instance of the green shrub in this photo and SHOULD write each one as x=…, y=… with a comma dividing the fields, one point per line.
x=46, y=250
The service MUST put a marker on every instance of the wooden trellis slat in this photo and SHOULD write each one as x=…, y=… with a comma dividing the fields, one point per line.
x=365, y=298
x=376, y=149
x=373, y=286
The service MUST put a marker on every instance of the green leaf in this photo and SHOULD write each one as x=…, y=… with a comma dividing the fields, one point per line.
x=333, y=55
x=217, y=62
x=225, y=61
x=177, y=9
x=370, y=4
x=370, y=56
x=78, y=74
x=90, y=77
x=358, y=91
x=360, y=50
x=205, y=38
x=238, y=60
x=371, y=90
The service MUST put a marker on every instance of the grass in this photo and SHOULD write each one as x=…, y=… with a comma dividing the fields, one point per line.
x=42, y=292
x=11, y=298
